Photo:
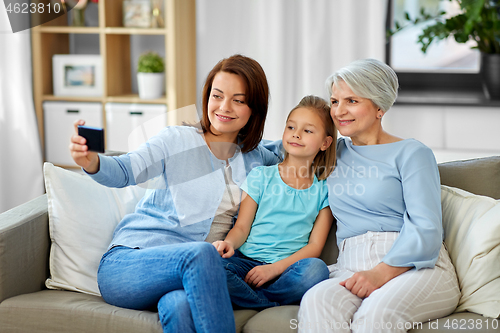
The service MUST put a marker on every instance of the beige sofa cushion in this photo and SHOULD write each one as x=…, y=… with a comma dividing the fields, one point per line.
x=472, y=235
x=82, y=217
x=479, y=176
x=277, y=319
x=52, y=311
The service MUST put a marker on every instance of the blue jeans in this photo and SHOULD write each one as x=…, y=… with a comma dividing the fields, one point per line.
x=288, y=288
x=184, y=281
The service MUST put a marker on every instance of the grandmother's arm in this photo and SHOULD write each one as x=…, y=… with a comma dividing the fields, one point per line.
x=420, y=238
x=421, y=235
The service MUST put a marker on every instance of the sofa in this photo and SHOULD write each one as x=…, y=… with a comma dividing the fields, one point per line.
x=27, y=305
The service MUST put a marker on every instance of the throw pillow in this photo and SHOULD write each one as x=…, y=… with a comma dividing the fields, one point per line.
x=82, y=217
x=472, y=228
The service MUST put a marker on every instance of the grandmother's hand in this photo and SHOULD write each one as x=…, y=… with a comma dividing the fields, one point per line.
x=363, y=283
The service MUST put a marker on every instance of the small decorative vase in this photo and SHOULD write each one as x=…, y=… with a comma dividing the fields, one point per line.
x=78, y=17
x=490, y=73
x=157, y=17
x=150, y=85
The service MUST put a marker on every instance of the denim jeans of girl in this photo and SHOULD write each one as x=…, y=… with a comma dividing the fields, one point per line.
x=288, y=288
x=186, y=282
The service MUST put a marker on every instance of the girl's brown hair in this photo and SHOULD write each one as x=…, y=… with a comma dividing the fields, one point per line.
x=256, y=97
x=324, y=162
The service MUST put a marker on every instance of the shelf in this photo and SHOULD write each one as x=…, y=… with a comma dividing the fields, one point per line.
x=69, y=30
x=129, y=98
x=72, y=167
x=134, y=98
x=135, y=31
x=73, y=98
x=97, y=30
x=177, y=42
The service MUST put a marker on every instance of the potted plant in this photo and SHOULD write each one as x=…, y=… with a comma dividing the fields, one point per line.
x=150, y=76
x=478, y=21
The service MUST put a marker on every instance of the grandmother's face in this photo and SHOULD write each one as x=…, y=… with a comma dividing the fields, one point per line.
x=354, y=116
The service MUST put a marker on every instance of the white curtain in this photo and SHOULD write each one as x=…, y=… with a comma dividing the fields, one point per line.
x=20, y=154
x=299, y=43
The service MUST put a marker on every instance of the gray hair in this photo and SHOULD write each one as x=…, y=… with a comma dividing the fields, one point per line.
x=368, y=78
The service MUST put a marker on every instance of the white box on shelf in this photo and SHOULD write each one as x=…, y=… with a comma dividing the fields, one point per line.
x=59, y=118
x=130, y=125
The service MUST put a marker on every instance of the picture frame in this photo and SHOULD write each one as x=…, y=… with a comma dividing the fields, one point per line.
x=137, y=13
x=77, y=75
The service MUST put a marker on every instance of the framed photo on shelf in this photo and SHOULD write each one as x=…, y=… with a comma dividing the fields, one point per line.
x=137, y=13
x=77, y=75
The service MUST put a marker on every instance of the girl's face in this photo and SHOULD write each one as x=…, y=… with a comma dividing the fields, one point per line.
x=355, y=117
x=228, y=111
x=305, y=134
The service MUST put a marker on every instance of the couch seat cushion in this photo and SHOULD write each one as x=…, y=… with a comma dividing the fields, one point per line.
x=52, y=311
x=283, y=319
x=276, y=320
x=459, y=322
x=241, y=317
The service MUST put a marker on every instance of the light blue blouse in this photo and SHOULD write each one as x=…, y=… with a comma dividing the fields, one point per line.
x=285, y=215
x=389, y=187
x=186, y=185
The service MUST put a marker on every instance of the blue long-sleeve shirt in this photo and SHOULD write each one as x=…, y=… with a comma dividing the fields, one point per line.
x=185, y=187
x=389, y=187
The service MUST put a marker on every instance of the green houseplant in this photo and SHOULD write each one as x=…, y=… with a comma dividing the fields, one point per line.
x=478, y=21
x=150, y=75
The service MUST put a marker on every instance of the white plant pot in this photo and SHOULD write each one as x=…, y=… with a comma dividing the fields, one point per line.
x=151, y=85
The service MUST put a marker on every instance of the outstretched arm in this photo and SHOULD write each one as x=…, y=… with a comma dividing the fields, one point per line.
x=262, y=274
x=239, y=233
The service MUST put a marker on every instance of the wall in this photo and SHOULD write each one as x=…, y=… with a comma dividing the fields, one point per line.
x=298, y=43
x=452, y=132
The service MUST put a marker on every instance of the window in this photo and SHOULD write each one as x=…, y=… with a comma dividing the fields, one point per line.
x=447, y=65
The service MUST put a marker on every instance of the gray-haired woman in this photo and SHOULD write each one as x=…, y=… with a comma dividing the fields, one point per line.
x=393, y=269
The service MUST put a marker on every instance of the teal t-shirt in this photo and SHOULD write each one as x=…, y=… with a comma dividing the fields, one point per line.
x=284, y=217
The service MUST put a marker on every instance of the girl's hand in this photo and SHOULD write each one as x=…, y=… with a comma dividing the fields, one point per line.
x=363, y=283
x=79, y=151
x=262, y=274
x=225, y=249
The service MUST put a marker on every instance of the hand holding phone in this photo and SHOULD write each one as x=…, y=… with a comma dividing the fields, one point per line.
x=94, y=137
x=79, y=150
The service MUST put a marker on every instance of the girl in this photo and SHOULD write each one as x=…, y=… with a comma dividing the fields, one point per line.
x=157, y=256
x=284, y=217
x=393, y=269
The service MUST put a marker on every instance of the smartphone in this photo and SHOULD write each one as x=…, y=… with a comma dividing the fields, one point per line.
x=94, y=137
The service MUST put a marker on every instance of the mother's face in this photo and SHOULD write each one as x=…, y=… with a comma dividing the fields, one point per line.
x=228, y=110
x=354, y=116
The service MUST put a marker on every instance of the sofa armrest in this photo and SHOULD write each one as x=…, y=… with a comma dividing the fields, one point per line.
x=24, y=248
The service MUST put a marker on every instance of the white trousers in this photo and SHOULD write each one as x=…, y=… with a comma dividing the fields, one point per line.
x=401, y=304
